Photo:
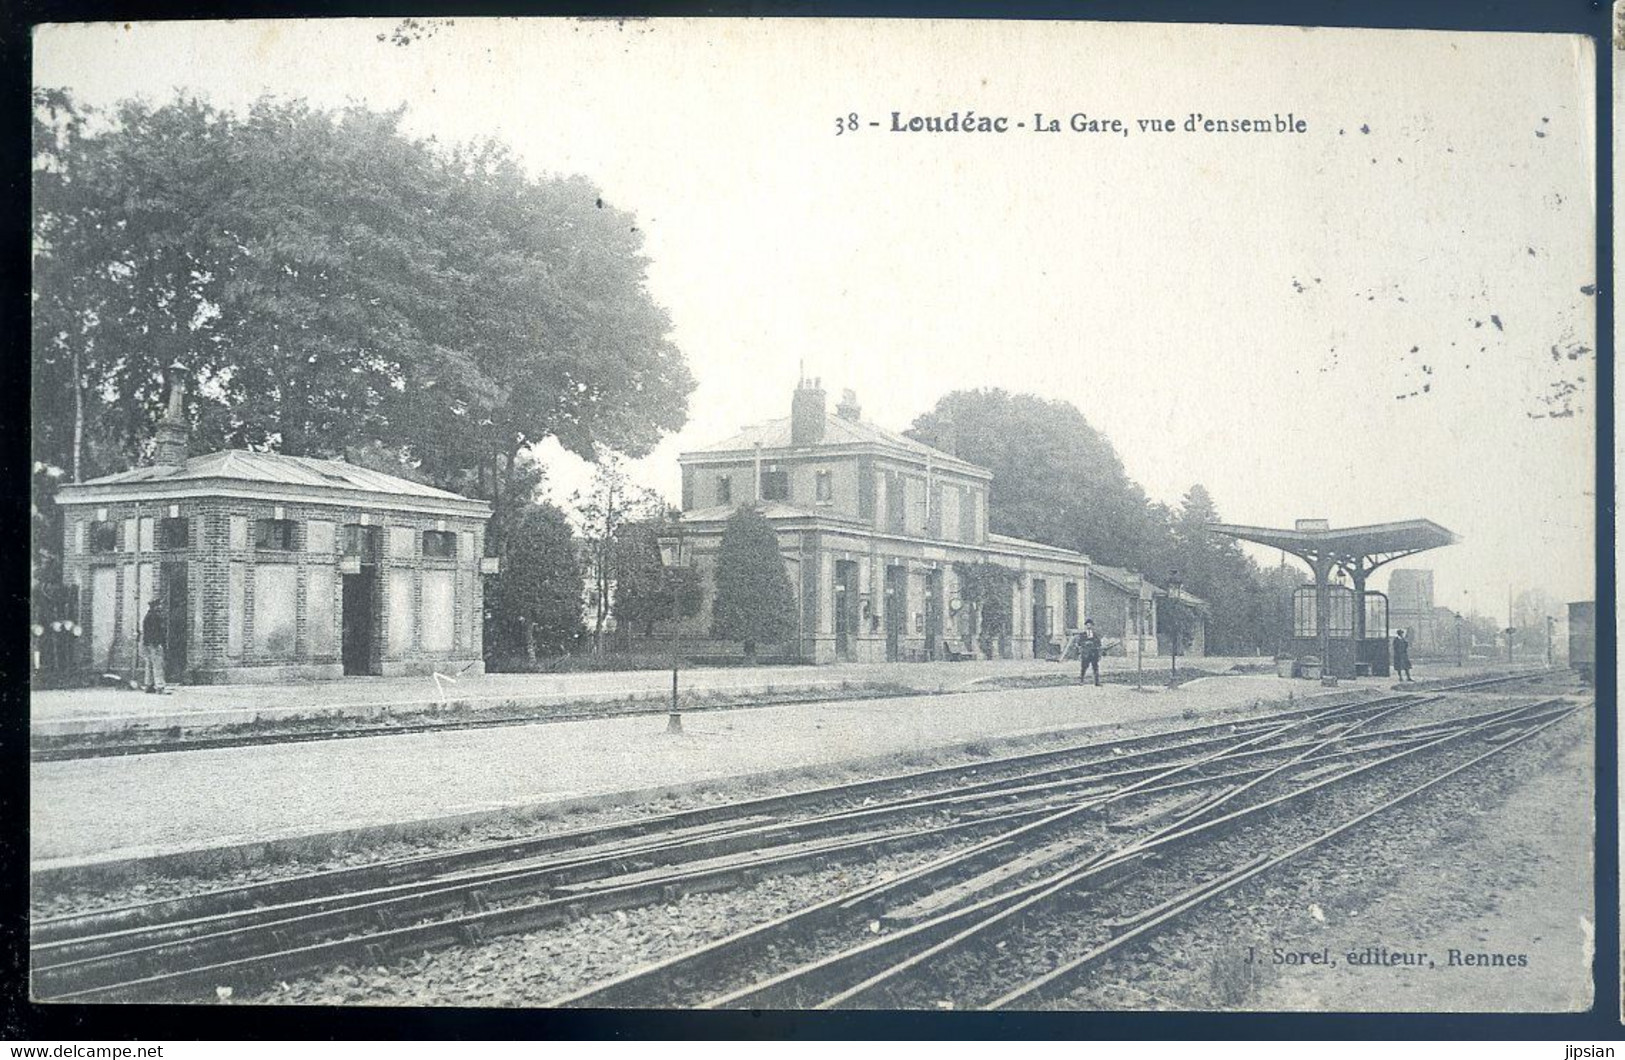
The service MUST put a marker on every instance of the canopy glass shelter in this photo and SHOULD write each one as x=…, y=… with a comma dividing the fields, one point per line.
x=1344, y=627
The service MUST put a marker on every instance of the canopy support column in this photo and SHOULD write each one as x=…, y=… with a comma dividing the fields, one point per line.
x=1323, y=611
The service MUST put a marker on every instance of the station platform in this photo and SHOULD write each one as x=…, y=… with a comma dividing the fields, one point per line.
x=70, y=712
x=96, y=811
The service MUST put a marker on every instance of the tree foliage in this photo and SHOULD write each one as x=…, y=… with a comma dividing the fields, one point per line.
x=328, y=281
x=332, y=286
x=647, y=591
x=1058, y=480
x=534, y=604
x=987, y=590
x=1215, y=569
x=755, y=602
x=1055, y=478
x=611, y=503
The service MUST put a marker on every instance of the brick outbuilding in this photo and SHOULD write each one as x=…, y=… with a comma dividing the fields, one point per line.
x=273, y=567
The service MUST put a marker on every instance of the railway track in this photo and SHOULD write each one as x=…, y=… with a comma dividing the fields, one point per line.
x=1066, y=807
x=822, y=956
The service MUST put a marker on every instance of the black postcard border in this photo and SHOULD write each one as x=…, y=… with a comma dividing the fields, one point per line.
x=20, y=1019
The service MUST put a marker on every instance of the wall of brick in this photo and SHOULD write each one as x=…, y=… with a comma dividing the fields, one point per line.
x=235, y=636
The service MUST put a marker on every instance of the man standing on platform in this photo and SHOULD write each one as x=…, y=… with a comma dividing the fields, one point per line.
x=1088, y=652
x=152, y=647
x=1402, y=656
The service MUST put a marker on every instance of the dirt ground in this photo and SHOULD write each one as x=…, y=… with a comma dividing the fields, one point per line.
x=1513, y=878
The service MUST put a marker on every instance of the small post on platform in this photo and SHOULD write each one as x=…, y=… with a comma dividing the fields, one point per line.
x=1461, y=658
x=1550, y=625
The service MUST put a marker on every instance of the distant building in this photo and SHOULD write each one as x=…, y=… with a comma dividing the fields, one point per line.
x=272, y=567
x=1132, y=614
x=1410, y=607
x=1121, y=603
x=871, y=524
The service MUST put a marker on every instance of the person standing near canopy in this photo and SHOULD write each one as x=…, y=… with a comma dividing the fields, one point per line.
x=1402, y=655
x=1088, y=652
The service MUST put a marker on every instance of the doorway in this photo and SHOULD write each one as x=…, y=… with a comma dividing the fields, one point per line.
x=172, y=587
x=846, y=606
x=1040, y=625
x=360, y=622
x=896, y=611
x=933, y=614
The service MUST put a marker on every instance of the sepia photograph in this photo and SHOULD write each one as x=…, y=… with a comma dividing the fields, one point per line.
x=832, y=514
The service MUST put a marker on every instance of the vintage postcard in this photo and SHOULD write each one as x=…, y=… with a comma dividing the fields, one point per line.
x=907, y=515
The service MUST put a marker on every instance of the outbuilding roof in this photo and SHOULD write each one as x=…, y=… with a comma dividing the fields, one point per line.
x=1126, y=580
x=283, y=474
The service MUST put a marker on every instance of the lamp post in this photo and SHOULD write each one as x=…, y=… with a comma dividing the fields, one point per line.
x=1174, y=623
x=671, y=555
x=1461, y=659
x=1551, y=624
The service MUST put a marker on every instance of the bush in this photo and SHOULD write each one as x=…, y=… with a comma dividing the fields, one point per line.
x=755, y=602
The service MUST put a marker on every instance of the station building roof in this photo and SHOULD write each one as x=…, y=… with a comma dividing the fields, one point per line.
x=1131, y=581
x=839, y=431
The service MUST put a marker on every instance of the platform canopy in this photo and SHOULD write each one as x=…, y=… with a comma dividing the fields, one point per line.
x=1358, y=550
x=1354, y=550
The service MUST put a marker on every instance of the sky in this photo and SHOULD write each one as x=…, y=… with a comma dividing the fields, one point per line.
x=1383, y=317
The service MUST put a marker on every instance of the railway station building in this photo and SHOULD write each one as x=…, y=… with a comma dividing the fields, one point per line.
x=871, y=525
x=270, y=567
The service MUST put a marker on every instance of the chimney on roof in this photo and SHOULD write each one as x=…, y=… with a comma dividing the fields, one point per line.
x=807, y=414
x=172, y=430
x=849, y=409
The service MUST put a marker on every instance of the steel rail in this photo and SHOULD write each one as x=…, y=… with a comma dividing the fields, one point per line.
x=1005, y=787
x=1001, y=907
x=611, y=992
x=49, y=976
x=635, y=832
x=1203, y=894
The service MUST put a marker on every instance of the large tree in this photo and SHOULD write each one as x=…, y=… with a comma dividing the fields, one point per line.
x=1055, y=478
x=1215, y=569
x=1058, y=480
x=330, y=285
x=328, y=281
x=755, y=602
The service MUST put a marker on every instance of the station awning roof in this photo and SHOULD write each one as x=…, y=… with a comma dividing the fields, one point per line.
x=1379, y=542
